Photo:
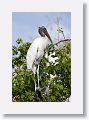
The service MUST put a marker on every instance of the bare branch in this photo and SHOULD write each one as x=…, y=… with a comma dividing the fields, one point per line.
x=62, y=41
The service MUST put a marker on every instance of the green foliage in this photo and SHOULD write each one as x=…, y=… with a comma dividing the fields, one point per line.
x=23, y=80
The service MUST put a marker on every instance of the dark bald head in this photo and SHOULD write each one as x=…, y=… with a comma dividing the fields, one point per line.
x=43, y=32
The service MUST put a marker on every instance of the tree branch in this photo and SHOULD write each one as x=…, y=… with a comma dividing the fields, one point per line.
x=62, y=41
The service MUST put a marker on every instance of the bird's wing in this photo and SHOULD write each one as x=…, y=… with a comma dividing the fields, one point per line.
x=31, y=56
x=35, y=52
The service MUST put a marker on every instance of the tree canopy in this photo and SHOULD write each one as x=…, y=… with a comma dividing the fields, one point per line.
x=23, y=80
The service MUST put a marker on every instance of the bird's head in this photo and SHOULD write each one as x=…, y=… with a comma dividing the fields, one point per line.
x=43, y=32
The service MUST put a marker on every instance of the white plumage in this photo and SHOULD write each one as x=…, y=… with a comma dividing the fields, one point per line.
x=36, y=51
x=34, y=55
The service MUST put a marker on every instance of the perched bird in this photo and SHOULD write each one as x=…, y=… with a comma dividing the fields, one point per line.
x=36, y=52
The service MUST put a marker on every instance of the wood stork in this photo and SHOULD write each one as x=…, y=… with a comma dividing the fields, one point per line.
x=36, y=52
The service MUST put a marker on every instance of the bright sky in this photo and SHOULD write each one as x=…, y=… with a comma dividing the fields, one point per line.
x=25, y=24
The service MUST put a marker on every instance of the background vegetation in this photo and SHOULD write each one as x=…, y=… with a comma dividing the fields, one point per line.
x=52, y=89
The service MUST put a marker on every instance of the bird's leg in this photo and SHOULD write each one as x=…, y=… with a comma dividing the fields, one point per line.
x=38, y=75
x=35, y=77
x=35, y=82
x=35, y=85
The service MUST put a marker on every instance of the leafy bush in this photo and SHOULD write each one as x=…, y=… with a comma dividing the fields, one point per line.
x=55, y=78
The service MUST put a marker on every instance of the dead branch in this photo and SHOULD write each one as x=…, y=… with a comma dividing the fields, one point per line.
x=62, y=41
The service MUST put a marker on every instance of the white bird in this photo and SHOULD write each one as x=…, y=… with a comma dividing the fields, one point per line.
x=36, y=52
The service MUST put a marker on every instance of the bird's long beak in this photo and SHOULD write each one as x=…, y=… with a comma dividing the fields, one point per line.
x=51, y=40
x=49, y=37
